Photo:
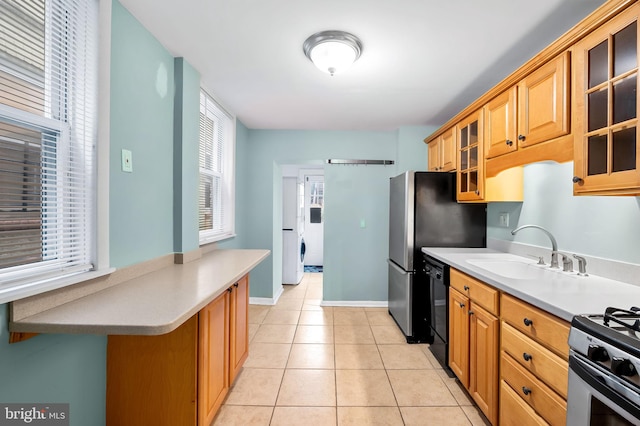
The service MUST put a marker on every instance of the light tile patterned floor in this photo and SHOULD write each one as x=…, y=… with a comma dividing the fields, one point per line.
x=328, y=366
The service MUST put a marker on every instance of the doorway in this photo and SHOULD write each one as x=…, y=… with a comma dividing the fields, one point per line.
x=313, y=217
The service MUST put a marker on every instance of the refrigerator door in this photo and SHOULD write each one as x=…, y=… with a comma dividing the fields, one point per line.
x=442, y=222
x=401, y=220
x=400, y=297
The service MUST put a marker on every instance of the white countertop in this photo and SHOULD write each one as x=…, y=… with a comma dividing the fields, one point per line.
x=560, y=293
x=155, y=303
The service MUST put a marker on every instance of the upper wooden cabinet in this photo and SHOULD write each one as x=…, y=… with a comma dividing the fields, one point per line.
x=543, y=103
x=442, y=152
x=535, y=110
x=470, y=182
x=607, y=158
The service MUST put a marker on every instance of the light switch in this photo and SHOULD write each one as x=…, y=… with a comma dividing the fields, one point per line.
x=127, y=161
x=503, y=220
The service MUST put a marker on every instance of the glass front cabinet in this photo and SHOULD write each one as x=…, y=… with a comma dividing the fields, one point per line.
x=469, y=133
x=607, y=158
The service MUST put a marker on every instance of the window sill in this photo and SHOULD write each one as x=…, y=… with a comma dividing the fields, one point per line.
x=42, y=286
x=215, y=238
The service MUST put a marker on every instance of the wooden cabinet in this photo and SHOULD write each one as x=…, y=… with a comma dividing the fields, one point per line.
x=442, y=152
x=535, y=110
x=180, y=377
x=501, y=128
x=473, y=340
x=514, y=411
x=607, y=155
x=533, y=362
x=470, y=159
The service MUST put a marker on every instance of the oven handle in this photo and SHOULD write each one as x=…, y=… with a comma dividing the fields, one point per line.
x=597, y=381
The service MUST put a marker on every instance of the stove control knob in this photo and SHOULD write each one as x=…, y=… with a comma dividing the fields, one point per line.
x=623, y=367
x=597, y=353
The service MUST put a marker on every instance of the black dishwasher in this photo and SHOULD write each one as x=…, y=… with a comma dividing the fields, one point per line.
x=438, y=273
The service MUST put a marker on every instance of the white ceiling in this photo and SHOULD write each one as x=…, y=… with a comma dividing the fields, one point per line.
x=422, y=62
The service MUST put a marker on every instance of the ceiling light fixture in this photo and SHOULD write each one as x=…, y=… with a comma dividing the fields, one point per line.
x=332, y=51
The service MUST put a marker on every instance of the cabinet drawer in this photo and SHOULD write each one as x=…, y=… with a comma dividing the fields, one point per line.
x=514, y=411
x=477, y=291
x=539, y=396
x=543, y=363
x=552, y=332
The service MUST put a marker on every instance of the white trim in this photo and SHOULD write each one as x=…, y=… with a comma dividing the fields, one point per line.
x=266, y=300
x=356, y=303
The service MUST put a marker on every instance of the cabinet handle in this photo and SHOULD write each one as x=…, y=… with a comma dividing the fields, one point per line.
x=509, y=142
x=527, y=322
x=470, y=312
x=521, y=137
x=526, y=356
x=235, y=285
x=577, y=179
x=526, y=390
x=461, y=305
x=466, y=288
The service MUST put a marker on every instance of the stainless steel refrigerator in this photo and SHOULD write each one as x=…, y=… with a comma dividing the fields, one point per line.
x=423, y=212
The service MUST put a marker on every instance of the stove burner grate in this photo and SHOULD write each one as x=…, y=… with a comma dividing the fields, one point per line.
x=619, y=316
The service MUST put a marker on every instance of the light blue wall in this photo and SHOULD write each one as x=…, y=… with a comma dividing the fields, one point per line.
x=141, y=203
x=607, y=227
x=412, y=151
x=354, y=257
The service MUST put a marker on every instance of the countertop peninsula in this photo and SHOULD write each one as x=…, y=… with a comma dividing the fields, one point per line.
x=152, y=304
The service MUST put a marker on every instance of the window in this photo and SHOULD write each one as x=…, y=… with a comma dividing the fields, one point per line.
x=216, y=191
x=48, y=128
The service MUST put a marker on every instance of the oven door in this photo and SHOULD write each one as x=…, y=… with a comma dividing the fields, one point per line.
x=596, y=397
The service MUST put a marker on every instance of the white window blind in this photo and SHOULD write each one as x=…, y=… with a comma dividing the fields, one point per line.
x=48, y=128
x=216, y=209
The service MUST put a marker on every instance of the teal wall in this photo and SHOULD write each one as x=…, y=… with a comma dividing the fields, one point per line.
x=412, y=151
x=607, y=227
x=142, y=89
x=71, y=368
x=354, y=257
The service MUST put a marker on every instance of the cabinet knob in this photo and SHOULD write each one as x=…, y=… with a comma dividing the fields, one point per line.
x=229, y=289
x=466, y=288
x=477, y=192
x=509, y=143
x=235, y=285
x=526, y=356
x=577, y=179
x=521, y=137
x=527, y=322
x=470, y=312
x=526, y=390
x=461, y=305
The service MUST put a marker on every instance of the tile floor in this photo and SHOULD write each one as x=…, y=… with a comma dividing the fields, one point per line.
x=312, y=365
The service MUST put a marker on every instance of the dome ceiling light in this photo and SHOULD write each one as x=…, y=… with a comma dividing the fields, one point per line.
x=332, y=51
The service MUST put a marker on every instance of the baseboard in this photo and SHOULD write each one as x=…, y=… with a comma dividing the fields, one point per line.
x=266, y=300
x=356, y=303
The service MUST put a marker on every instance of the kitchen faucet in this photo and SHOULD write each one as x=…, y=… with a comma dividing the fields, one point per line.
x=554, y=244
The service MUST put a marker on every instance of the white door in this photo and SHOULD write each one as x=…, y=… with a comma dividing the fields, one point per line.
x=313, y=218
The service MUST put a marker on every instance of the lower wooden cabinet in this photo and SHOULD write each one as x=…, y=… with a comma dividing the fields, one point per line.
x=514, y=411
x=179, y=378
x=473, y=350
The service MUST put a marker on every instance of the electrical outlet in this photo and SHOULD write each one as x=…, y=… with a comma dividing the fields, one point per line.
x=503, y=220
x=127, y=161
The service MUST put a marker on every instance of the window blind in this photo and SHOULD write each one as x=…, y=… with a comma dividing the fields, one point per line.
x=216, y=170
x=48, y=128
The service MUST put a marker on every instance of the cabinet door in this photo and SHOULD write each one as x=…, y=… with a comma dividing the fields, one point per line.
x=483, y=363
x=239, y=330
x=459, y=335
x=448, y=150
x=213, y=357
x=500, y=124
x=470, y=158
x=514, y=411
x=433, y=156
x=543, y=103
x=606, y=150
